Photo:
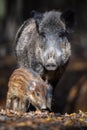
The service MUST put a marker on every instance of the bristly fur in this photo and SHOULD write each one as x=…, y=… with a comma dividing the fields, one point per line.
x=23, y=87
x=28, y=39
x=42, y=44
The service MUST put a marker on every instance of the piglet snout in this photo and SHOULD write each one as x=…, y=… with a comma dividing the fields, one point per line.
x=43, y=107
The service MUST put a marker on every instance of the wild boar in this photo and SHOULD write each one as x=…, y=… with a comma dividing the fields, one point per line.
x=42, y=44
x=25, y=87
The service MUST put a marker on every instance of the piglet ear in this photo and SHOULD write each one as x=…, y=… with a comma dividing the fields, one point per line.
x=37, y=16
x=32, y=86
x=68, y=17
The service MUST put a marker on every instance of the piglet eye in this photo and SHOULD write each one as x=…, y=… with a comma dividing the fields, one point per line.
x=37, y=94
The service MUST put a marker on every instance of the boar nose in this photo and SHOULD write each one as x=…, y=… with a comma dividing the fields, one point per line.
x=53, y=56
x=50, y=61
x=51, y=64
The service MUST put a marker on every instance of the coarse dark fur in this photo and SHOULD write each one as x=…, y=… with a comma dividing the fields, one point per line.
x=42, y=44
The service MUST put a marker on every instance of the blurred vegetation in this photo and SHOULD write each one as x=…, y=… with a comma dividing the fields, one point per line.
x=73, y=86
x=2, y=9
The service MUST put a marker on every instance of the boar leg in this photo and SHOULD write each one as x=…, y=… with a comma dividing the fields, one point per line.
x=49, y=96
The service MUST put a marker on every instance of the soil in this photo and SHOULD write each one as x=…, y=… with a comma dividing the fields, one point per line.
x=37, y=120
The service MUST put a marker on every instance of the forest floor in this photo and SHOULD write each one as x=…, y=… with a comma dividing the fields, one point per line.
x=76, y=87
x=12, y=120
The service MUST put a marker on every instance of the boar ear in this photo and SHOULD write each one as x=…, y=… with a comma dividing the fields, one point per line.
x=37, y=16
x=68, y=17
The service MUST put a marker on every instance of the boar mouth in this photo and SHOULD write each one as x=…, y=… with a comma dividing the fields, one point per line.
x=51, y=66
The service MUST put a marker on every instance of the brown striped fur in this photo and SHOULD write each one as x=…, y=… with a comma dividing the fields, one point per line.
x=25, y=86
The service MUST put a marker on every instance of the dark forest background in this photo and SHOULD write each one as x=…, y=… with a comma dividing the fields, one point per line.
x=71, y=92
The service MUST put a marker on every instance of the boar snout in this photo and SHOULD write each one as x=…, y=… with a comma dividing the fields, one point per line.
x=51, y=66
x=52, y=59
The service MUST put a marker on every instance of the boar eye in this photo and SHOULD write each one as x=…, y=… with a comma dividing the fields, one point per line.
x=43, y=37
x=62, y=34
x=42, y=34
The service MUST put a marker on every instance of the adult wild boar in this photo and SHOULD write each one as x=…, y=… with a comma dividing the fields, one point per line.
x=42, y=44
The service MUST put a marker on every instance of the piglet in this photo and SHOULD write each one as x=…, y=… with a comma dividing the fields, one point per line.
x=25, y=87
